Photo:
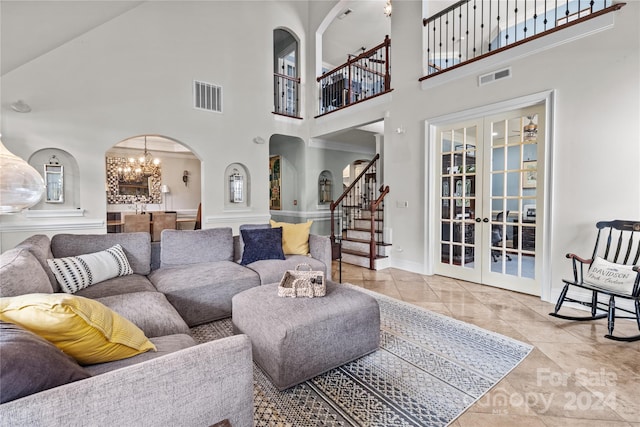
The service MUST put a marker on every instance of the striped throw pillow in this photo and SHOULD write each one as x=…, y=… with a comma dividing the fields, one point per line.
x=78, y=272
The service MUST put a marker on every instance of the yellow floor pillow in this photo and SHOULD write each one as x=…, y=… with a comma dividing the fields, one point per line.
x=295, y=237
x=83, y=328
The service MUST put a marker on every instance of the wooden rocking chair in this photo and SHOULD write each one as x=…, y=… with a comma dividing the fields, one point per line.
x=612, y=271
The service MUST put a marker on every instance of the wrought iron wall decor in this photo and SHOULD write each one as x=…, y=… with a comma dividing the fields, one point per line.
x=146, y=190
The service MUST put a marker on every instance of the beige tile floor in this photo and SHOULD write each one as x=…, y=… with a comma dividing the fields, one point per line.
x=573, y=377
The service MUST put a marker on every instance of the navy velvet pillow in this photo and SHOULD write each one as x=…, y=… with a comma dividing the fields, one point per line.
x=261, y=244
x=30, y=364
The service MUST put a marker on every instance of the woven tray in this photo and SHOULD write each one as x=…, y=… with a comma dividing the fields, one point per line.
x=302, y=283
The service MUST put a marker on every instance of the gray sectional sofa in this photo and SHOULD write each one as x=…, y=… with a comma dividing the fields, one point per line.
x=182, y=383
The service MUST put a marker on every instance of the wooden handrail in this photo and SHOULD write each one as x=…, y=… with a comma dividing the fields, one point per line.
x=334, y=204
x=373, y=250
x=364, y=55
x=612, y=8
x=344, y=193
x=284, y=76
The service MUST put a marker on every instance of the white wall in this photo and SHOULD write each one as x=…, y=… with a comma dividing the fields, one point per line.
x=596, y=148
x=132, y=76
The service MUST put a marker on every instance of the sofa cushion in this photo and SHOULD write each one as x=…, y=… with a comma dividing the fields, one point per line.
x=261, y=244
x=30, y=364
x=240, y=248
x=149, y=311
x=164, y=345
x=271, y=271
x=83, y=328
x=202, y=292
x=137, y=247
x=182, y=247
x=295, y=237
x=78, y=272
x=40, y=246
x=118, y=286
x=21, y=273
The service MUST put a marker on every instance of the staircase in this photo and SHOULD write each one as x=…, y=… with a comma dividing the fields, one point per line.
x=358, y=217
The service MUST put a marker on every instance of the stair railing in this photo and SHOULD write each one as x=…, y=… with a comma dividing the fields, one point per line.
x=358, y=196
x=348, y=194
x=362, y=77
x=468, y=30
x=376, y=234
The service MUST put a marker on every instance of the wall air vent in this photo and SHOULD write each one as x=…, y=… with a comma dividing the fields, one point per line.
x=494, y=76
x=207, y=96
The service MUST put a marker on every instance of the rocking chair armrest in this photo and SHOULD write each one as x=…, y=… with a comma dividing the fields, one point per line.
x=578, y=258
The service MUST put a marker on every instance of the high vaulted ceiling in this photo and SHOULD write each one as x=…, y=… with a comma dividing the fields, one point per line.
x=29, y=29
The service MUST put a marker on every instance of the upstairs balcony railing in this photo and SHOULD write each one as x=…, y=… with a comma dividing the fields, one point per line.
x=472, y=29
x=362, y=77
x=286, y=96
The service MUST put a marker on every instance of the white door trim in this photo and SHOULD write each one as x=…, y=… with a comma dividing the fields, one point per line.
x=547, y=98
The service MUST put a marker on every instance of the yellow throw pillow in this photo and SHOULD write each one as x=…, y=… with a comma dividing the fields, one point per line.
x=295, y=237
x=83, y=328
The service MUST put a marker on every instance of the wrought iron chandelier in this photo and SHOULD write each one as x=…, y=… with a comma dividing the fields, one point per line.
x=138, y=169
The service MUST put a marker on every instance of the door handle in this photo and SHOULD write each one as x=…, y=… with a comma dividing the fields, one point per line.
x=478, y=219
x=485, y=219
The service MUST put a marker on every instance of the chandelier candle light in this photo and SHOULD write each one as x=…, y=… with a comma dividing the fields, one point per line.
x=143, y=167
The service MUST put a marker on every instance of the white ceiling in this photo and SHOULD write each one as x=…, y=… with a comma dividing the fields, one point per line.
x=29, y=29
x=365, y=26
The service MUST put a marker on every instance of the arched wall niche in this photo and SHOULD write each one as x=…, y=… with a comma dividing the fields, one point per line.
x=325, y=189
x=237, y=187
x=70, y=173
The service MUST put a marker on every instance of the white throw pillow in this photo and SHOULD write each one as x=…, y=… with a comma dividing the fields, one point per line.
x=614, y=277
x=78, y=272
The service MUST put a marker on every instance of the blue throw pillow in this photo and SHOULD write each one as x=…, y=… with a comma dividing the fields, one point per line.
x=261, y=244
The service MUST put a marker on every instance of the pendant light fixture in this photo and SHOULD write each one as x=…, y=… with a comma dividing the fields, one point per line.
x=388, y=9
x=530, y=130
x=138, y=169
x=21, y=186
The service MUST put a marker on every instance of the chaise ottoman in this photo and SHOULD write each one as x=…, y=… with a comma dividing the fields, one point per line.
x=295, y=339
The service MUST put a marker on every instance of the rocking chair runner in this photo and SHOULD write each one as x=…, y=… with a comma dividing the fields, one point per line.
x=612, y=271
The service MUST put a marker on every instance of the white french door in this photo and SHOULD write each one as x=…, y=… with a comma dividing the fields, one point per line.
x=489, y=204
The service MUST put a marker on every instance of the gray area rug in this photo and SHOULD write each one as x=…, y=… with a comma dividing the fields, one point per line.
x=429, y=369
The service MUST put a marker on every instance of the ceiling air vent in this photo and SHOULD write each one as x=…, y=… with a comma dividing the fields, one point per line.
x=207, y=96
x=345, y=13
x=494, y=76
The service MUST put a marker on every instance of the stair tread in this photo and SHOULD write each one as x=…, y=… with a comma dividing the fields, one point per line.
x=362, y=254
x=351, y=239
x=364, y=229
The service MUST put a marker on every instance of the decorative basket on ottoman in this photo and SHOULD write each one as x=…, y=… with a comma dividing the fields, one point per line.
x=302, y=283
x=295, y=339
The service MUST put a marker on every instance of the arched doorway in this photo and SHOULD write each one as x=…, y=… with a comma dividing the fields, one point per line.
x=152, y=173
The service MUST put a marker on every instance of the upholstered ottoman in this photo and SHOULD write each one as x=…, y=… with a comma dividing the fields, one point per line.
x=295, y=339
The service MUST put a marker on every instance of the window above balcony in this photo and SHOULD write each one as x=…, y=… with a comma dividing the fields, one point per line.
x=286, y=82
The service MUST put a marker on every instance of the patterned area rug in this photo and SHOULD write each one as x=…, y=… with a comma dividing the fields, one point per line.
x=429, y=370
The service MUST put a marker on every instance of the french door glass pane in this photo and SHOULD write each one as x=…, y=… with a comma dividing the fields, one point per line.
x=458, y=195
x=513, y=186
